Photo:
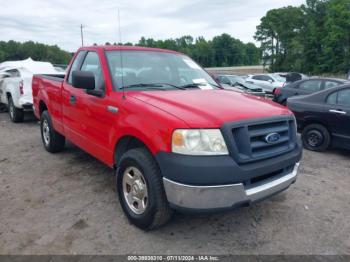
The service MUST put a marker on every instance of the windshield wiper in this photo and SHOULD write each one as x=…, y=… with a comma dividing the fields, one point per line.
x=190, y=86
x=194, y=85
x=158, y=86
x=142, y=85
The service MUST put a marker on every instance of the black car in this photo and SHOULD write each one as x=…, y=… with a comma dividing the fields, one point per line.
x=305, y=87
x=323, y=118
x=292, y=77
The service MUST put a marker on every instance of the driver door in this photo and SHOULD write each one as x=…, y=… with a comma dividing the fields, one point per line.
x=95, y=113
x=338, y=107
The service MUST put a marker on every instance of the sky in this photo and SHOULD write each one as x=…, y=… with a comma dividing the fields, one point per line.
x=57, y=22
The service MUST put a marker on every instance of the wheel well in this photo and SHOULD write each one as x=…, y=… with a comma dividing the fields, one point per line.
x=42, y=107
x=311, y=121
x=124, y=144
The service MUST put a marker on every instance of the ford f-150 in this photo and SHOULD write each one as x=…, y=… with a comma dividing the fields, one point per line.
x=176, y=139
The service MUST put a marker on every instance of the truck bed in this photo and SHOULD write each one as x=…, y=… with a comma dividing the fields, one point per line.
x=48, y=85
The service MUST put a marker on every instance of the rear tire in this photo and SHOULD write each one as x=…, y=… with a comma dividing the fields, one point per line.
x=16, y=114
x=52, y=141
x=316, y=138
x=138, y=169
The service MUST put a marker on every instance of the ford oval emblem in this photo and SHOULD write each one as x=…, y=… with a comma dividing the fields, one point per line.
x=272, y=138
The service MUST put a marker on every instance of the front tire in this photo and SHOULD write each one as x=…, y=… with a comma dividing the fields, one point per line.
x=16, y=114
x=53, y=141
x=316, y=138
x=141, y=191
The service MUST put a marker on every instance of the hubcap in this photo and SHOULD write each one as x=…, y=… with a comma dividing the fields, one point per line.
x=135, y=190
x=46, y=132
x=314, y=138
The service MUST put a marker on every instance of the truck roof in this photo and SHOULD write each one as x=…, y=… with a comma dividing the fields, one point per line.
x=126, y=48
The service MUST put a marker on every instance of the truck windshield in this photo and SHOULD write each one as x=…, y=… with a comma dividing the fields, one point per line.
x=147, y=70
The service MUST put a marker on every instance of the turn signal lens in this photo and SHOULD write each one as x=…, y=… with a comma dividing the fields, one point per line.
x=178, y=139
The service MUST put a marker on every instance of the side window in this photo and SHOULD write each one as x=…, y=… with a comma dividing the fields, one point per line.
x=344, y=97
x=257, y=77
x=311, y=86
x=267, y=79
x=330, y=84
x=76, y=65
x=92, y=64
x=332, y=98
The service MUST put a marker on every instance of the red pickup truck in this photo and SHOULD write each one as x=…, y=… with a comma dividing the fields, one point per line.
x=176, y=139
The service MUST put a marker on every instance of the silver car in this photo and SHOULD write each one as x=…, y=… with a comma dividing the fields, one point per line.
x=268, y=82
x=239, y=84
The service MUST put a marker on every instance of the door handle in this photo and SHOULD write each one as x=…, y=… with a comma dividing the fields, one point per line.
x=337, y=111
x=72, y=100
x=112, y=109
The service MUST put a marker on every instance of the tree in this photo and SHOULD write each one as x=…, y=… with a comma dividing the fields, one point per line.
x=12, y=50
x=313, y=38
x=276, y=33
x=223, y=50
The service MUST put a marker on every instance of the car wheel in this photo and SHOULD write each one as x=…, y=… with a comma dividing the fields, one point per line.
x=16, y=114
x=316, y=138
x=141, y=191
x=53, y=141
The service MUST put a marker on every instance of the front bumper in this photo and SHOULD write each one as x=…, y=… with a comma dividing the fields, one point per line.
x=223, y=197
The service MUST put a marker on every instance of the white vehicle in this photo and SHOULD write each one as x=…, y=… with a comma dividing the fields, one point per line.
x=16, y=85
x=268, y=82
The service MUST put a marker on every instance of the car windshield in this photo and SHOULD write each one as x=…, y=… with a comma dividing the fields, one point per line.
x=236, y=79
x=156, y=70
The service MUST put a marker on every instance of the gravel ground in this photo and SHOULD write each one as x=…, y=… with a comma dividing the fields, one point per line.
x=66, y=204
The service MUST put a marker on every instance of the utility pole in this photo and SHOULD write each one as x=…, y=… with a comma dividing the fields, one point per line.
x=81, y=34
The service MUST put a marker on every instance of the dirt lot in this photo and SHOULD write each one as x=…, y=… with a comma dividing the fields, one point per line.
x=66, y=204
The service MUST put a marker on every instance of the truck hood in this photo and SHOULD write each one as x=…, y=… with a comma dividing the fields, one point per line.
x=210, y=108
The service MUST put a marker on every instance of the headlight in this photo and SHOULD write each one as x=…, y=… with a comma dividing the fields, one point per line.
x=198, y=142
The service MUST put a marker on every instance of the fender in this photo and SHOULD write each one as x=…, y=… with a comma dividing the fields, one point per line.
x=316, y=120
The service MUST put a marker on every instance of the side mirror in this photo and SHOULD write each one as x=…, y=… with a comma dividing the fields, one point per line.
x=83, y=80
x=270, y=81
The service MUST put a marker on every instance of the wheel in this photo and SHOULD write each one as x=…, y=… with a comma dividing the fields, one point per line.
x=141, y=191
x=53, y=141
x=16, y=114
x=316, y=138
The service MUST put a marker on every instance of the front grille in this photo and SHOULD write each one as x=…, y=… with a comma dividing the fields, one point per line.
x=248, y=140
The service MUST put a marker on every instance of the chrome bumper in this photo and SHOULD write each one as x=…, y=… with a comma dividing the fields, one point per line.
x=225, y=196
